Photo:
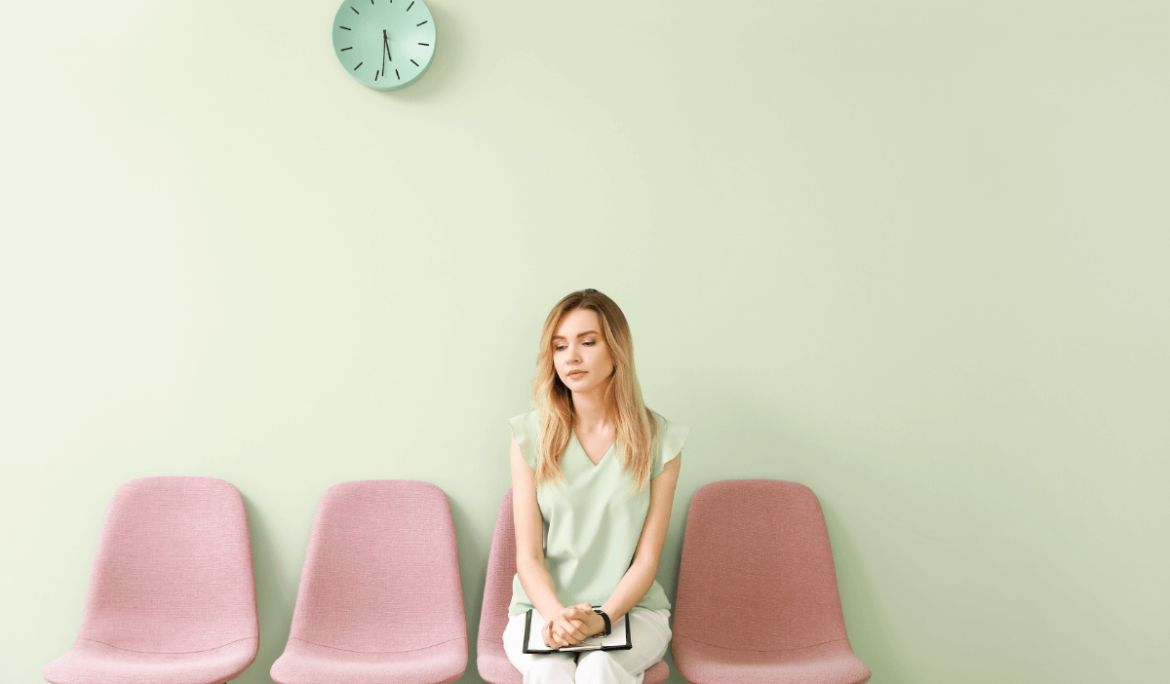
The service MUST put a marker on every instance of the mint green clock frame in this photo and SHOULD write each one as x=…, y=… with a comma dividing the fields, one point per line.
x=384, y=44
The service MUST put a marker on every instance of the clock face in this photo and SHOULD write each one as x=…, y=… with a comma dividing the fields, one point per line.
x=385, y=44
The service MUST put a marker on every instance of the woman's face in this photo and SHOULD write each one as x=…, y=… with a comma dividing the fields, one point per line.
x=580, y=355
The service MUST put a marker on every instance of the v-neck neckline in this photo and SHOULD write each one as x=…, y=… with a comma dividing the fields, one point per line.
x=586, y=453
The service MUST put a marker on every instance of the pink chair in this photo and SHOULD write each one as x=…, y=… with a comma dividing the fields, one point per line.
x=757, y=593
x=493, y=663
x=380, y=600
x=171, y=597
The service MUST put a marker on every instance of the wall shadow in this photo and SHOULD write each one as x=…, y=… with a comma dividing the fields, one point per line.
x=276, y=594
x=473, y=554
x=445, y=65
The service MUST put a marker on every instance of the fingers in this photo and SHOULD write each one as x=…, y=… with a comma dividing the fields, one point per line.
x=581, y=617
x=569, y=630
x=577, y=613
x=575, y=630
x=575, y=616
x=568, y=626
x=551, y=638
x=578, y=619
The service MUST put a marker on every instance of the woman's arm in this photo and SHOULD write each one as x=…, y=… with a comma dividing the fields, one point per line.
x=530, y=565
x=640, y=575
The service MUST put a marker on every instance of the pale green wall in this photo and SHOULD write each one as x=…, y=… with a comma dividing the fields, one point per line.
x=912, y=254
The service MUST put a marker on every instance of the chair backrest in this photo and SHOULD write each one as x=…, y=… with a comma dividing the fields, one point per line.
x=381, y=573
x=759, y=545
x=497, y=590
x=173, y=572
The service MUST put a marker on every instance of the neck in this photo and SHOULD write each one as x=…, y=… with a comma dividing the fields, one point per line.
x=590, y=411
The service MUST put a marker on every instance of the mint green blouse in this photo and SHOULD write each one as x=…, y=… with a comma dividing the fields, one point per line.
x=592, y=522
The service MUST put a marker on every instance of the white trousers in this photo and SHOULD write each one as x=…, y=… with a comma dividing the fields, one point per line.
x=651, y=636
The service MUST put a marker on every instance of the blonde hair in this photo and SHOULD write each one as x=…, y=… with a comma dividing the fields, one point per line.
x=637, y=431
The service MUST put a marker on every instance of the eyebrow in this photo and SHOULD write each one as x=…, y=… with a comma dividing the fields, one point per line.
x=587, y=332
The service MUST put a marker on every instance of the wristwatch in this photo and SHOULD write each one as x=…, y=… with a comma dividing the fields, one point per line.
x=606, y=618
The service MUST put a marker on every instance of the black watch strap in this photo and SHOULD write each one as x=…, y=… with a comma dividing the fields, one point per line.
x=605, y=617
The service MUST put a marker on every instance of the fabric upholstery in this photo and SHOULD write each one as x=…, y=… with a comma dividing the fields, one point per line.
x=306, y=662
x=757, y=592
x=171, y=598
x=380, y=600
x=491, y=660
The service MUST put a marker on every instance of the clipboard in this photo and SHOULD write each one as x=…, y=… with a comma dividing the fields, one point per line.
x=619, y=639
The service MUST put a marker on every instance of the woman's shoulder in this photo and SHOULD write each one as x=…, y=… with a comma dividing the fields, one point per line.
x=524, y=430
x=525, y=421
x=669, y=438
x=661, y=423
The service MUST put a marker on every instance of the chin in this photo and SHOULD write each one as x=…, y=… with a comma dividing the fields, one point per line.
x=585, y=389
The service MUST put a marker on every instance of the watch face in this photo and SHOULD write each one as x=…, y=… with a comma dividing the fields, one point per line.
x=385, y=44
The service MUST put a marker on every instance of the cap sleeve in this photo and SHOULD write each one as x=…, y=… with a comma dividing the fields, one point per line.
x=670, y=443
x=524, y=429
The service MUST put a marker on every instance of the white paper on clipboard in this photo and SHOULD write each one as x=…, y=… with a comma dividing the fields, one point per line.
x=617, y=639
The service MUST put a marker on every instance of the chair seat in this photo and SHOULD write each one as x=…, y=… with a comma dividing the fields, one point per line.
x=92, y=662
x=828, y=663
x=308, y=663
x=657, y=673
x=494, y=666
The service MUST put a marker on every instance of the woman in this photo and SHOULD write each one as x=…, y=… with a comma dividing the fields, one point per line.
x=593, y=478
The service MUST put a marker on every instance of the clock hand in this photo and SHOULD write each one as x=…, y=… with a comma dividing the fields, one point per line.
x=386, y=45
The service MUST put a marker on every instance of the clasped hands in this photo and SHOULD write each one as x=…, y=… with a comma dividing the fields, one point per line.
x=570, y=626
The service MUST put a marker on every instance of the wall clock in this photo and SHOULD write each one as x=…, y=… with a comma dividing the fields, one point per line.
x=385, y=44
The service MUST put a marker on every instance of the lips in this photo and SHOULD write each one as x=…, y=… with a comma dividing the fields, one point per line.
x=576, y=374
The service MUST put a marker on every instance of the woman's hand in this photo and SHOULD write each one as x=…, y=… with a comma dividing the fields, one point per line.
x=564, y=629
x=570, y=626
x=591, y=623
